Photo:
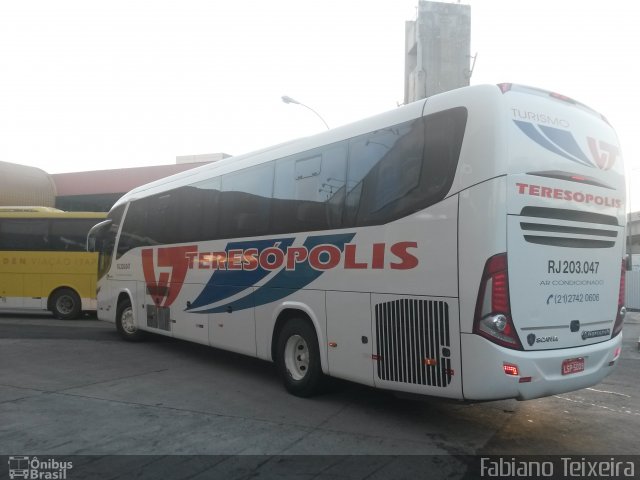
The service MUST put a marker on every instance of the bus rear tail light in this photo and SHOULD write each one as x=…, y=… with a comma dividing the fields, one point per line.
x=493, y=308
x=512, y=370
x=622, y=311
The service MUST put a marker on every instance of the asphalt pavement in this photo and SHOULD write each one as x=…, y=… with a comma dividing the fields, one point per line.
x=75, y=388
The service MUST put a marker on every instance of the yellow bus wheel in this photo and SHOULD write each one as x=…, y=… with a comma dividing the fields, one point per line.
x=65, y=304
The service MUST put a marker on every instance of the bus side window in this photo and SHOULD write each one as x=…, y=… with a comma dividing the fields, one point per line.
x=443, y=133
x=200, y=220
x=309, y=190
x=245, y=203
x=383, y=167
x=332, y=183
x=69, y=234
x=24, y=234
x=402, y=169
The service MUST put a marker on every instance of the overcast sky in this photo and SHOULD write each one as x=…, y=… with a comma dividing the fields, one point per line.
x=88, y=85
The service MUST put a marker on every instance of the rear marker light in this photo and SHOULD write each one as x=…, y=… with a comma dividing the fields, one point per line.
x=429, y=362
x=510, y=369
x=524, y=380
x=564, y=98
x=617, y=353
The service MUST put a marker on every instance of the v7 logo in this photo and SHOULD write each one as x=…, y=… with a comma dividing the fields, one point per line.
x=563, y=143
x=165, y=288
x=606, y=159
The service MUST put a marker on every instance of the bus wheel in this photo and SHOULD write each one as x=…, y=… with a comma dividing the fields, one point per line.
x=65, y=304
x=125, y=322
x=298, y=358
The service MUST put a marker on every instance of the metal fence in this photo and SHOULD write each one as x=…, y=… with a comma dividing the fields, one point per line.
x=632, y=290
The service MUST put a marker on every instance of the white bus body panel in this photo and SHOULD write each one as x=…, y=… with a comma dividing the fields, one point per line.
x=12, y=302
x=565, y=223
x=396, y=311
x=197, y=328
x=482, y=234
x=551, y=286
x=238, y=318
x=552, y=147
x=350, y=339
x=483, y=360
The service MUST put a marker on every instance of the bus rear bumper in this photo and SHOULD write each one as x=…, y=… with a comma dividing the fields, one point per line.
x=539, y=372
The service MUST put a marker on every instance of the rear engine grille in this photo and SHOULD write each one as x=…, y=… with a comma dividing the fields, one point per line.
x=572, y=235
x=413, y=344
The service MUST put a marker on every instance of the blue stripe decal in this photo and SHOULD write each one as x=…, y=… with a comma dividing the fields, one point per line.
x=530, y=131
x=235, y=281
x=285, y=282
x=565, y=140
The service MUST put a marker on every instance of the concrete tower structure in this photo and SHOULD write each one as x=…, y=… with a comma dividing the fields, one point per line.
x=437, y=50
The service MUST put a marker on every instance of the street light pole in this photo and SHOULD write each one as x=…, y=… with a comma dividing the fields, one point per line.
x=287, y=99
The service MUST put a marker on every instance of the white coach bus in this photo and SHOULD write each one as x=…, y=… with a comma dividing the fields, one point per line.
x=468, y=246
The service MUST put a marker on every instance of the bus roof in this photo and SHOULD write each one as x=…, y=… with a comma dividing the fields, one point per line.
x=457, y=97
x=5, y=209
x=45, y=212
x=399, y=115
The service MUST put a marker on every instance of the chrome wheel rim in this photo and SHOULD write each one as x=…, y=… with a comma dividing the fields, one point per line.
x=126, y=319
x=64, y=304
x=296, y=357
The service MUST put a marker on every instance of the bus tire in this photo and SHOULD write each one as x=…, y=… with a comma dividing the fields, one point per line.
x=125, y=322
x=298, y=358
x=65, y=304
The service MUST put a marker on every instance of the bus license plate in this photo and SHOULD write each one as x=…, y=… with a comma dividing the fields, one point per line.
x=572, y=365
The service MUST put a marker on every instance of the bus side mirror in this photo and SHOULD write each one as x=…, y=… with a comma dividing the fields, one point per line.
x=95, y=234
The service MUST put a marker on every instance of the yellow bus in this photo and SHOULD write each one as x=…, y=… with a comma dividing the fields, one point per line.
x=44, y=264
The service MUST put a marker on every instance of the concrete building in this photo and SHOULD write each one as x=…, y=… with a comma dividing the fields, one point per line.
x=437, y=50
x=203, y=158
x=93, y=191
x=21, y=185
x=633, y=237
x=97, y=191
